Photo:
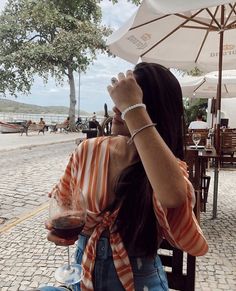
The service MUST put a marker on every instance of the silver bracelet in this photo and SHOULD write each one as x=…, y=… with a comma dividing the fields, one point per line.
x=131, y=108
x=136, y=131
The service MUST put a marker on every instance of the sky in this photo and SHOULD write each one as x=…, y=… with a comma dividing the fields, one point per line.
x=93, y=84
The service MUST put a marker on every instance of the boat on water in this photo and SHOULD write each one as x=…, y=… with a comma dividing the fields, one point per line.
x=11, y=127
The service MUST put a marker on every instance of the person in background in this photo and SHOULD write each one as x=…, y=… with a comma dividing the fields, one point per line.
x=136, y=187
x=78, y=121
x=93, y=123
x=67, y=121
x=198, y=123
x=106, y=114
x=41, y=121
x=25, y=127
x=94, y=117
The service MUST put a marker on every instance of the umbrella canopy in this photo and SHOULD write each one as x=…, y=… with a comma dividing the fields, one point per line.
x=202, y=37
x=206, y=86
x=178, y=39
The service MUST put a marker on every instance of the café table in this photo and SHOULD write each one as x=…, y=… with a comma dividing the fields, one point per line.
x=203, y=157
x=92, y=132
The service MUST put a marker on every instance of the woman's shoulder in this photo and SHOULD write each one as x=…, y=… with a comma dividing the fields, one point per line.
x=118, y=140
x=116, y=145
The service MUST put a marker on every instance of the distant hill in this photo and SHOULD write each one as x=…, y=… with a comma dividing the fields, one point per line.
x=17, y=107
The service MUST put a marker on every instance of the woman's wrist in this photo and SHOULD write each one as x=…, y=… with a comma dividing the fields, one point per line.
x=139, y=130
x=132, y=107
x=137, y=118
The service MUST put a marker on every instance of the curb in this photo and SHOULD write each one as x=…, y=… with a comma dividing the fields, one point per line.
x=29, y=147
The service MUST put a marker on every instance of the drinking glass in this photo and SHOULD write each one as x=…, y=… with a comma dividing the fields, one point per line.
x=196, y=137
x=223, y=128
x=68, y=219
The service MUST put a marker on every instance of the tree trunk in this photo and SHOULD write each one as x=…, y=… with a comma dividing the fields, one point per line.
x=72, y=98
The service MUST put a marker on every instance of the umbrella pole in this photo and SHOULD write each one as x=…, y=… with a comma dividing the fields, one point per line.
x=218, y=117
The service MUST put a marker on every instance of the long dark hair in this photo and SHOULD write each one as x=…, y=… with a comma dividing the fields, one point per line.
x=163, y=98
x=136, y=220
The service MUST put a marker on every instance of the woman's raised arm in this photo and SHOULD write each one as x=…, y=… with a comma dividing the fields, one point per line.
x=160, y=164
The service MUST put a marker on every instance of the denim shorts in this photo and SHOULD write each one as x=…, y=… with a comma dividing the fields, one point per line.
x=148, y=272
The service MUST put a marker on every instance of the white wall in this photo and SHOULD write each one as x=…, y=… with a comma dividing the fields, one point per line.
x=228, y=110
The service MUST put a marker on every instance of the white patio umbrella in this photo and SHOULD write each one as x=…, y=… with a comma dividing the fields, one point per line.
x=206, y=86
x=182, y=34
x=178, y=39
x=202, y=37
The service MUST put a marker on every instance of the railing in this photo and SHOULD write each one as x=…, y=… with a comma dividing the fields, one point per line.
x=34, y=117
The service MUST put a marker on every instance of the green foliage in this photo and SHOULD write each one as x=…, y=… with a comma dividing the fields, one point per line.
x=136, y=2
x=49, y=38
x=194, y=106
x=195, y=72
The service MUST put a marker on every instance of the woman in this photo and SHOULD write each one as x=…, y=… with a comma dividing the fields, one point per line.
x=135, y=185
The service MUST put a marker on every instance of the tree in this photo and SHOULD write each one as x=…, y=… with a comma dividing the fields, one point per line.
x=49, y=38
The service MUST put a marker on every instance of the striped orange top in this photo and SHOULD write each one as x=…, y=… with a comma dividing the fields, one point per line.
x=89, y=169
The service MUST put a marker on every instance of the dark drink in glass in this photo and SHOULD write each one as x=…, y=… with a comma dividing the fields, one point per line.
x=67, y=226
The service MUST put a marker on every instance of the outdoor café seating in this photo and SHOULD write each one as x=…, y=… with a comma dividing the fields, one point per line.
x=180, y=266
x=227, y=146
x=92, y=130
x=99, y=129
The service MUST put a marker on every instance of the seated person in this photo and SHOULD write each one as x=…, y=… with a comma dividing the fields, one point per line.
x=78, y=121
x=67, y=121
x=198, y=123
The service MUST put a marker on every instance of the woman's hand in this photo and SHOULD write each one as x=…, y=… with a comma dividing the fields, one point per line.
x=52, y=237
x=125, y=91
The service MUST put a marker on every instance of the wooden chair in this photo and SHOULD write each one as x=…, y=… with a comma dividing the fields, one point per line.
x=205, y=184
x=105, y=128
x=228, y=146
x=179, y=266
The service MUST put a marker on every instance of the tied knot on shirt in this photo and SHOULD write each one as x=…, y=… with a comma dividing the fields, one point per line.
x=108, y=219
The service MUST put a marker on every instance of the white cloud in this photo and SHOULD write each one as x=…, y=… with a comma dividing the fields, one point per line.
x=93, y=91
x=116, y=15
x=2, y=4
x=53, y=90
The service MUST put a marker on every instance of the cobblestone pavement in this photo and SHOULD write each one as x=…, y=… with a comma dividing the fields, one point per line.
x=27, y=175
x=28, y=260
x=217, y=270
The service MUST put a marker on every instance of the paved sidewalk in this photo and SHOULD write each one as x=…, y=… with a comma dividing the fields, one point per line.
x=15, y=140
